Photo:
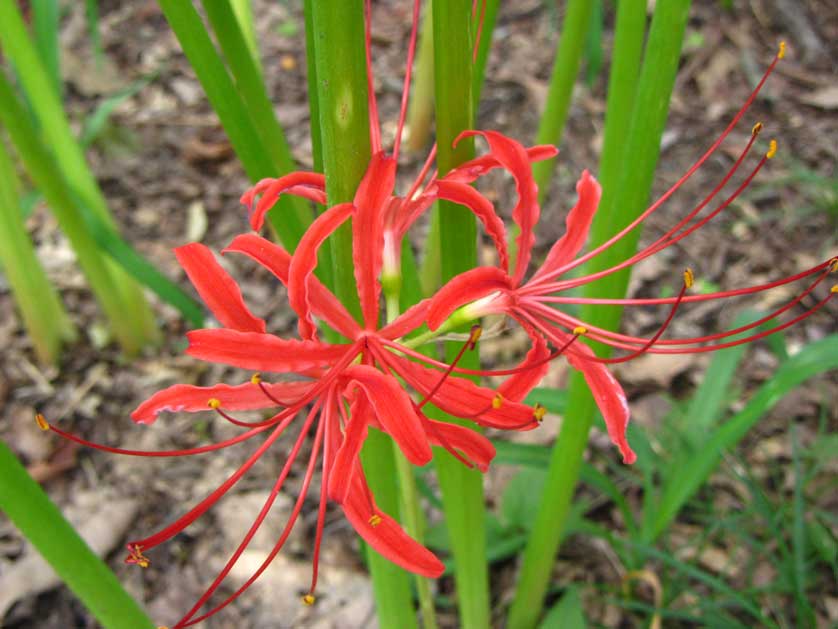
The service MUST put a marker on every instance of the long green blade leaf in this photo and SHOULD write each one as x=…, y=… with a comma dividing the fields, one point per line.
x=31, y=510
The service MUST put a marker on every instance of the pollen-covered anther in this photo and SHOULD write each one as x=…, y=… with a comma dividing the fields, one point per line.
x=772, y=149
x=256, y=378
x=42, y=422
x=781, y=52
x=689, y=277
x=757, y=128
x=308, y=600
x=214, y=403
x=476, y=331
x=538, y=411
x=135, y=556
x=497, y=401
x=834, y=289
x=580, y=330
x=374, y=520
x=833, y=265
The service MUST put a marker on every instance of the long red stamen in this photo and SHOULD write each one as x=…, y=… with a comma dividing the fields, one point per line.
x=470, y=344
x=375, y=126
x=666, y=195
x=292, y=519
x=411, y=53
x=629, y=342
x=152, y=453
x=666, y=241
x=479, y=33
x=260, y=518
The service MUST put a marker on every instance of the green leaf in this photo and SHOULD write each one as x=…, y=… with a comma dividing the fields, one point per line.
x=95, y=123
x=519, y=503
x=567, y=613
x=40, y=521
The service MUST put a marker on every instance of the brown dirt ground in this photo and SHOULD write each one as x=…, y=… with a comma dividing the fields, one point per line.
x=170, y=176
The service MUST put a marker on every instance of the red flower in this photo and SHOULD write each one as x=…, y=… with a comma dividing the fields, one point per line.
x=487, y=290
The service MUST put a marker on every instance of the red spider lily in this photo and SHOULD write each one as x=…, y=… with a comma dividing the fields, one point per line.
x=487, y=290
x=346, y=387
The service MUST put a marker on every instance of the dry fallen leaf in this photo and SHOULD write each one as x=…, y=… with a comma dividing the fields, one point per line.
x=825, y=98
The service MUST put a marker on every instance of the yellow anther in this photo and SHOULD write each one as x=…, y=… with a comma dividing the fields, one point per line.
x=689, y=278
x=834, y=289
x=476, y=331
x=497, y=401
x=256, y=378
x=756, y=129
x=308, y=599
x=42, y=422
x=214, y=403
x=782, y=51
x=538, y=411
x=580, y=330
x=374, y=520
x=162, y=627
x=833, y=266
x=772, y=149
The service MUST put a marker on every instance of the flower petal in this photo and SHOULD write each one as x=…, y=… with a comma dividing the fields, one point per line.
x=219, y=291
x=347, y=457
x=513, y=156
x=311, y=186
x=277, y=260
x=187, y=398
x=477, y=448
x=517, y=386
x=578, y=224
x=374, y=191
x=261, y=352
x=483, y=209
x=384, y=534
x=393, y=408
x=412, y=318
x=609, y=395
x=463, y=289
x=463, y=398
x=304, y=261
x=479, y=166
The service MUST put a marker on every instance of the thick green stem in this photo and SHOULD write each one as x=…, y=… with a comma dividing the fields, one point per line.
x=462, y=488
x=565, y=70
x=638, y=143
x=338, y=40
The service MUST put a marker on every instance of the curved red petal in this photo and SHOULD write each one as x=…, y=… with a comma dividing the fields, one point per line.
x=463, y=289
x=477, y=448
x=609, y=395
x=535, y=364
x=346, y=459
x=483, y=209
x=308, y=185
x=277, y=260
x=513, y=157
x=411, y=319
x=471, y=170
x=304, y=261
x=187, y=398
x=261, y=352
x=578, y=224
x=384, y=534
x=393, y=408
x=374, y=192
x=219, y=291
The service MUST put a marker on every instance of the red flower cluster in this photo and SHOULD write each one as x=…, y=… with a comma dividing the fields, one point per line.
x=376, y=378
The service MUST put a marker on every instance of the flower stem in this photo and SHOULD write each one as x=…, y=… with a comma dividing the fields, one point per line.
x=462, y=488
x=337, y=35
x=637, y=140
